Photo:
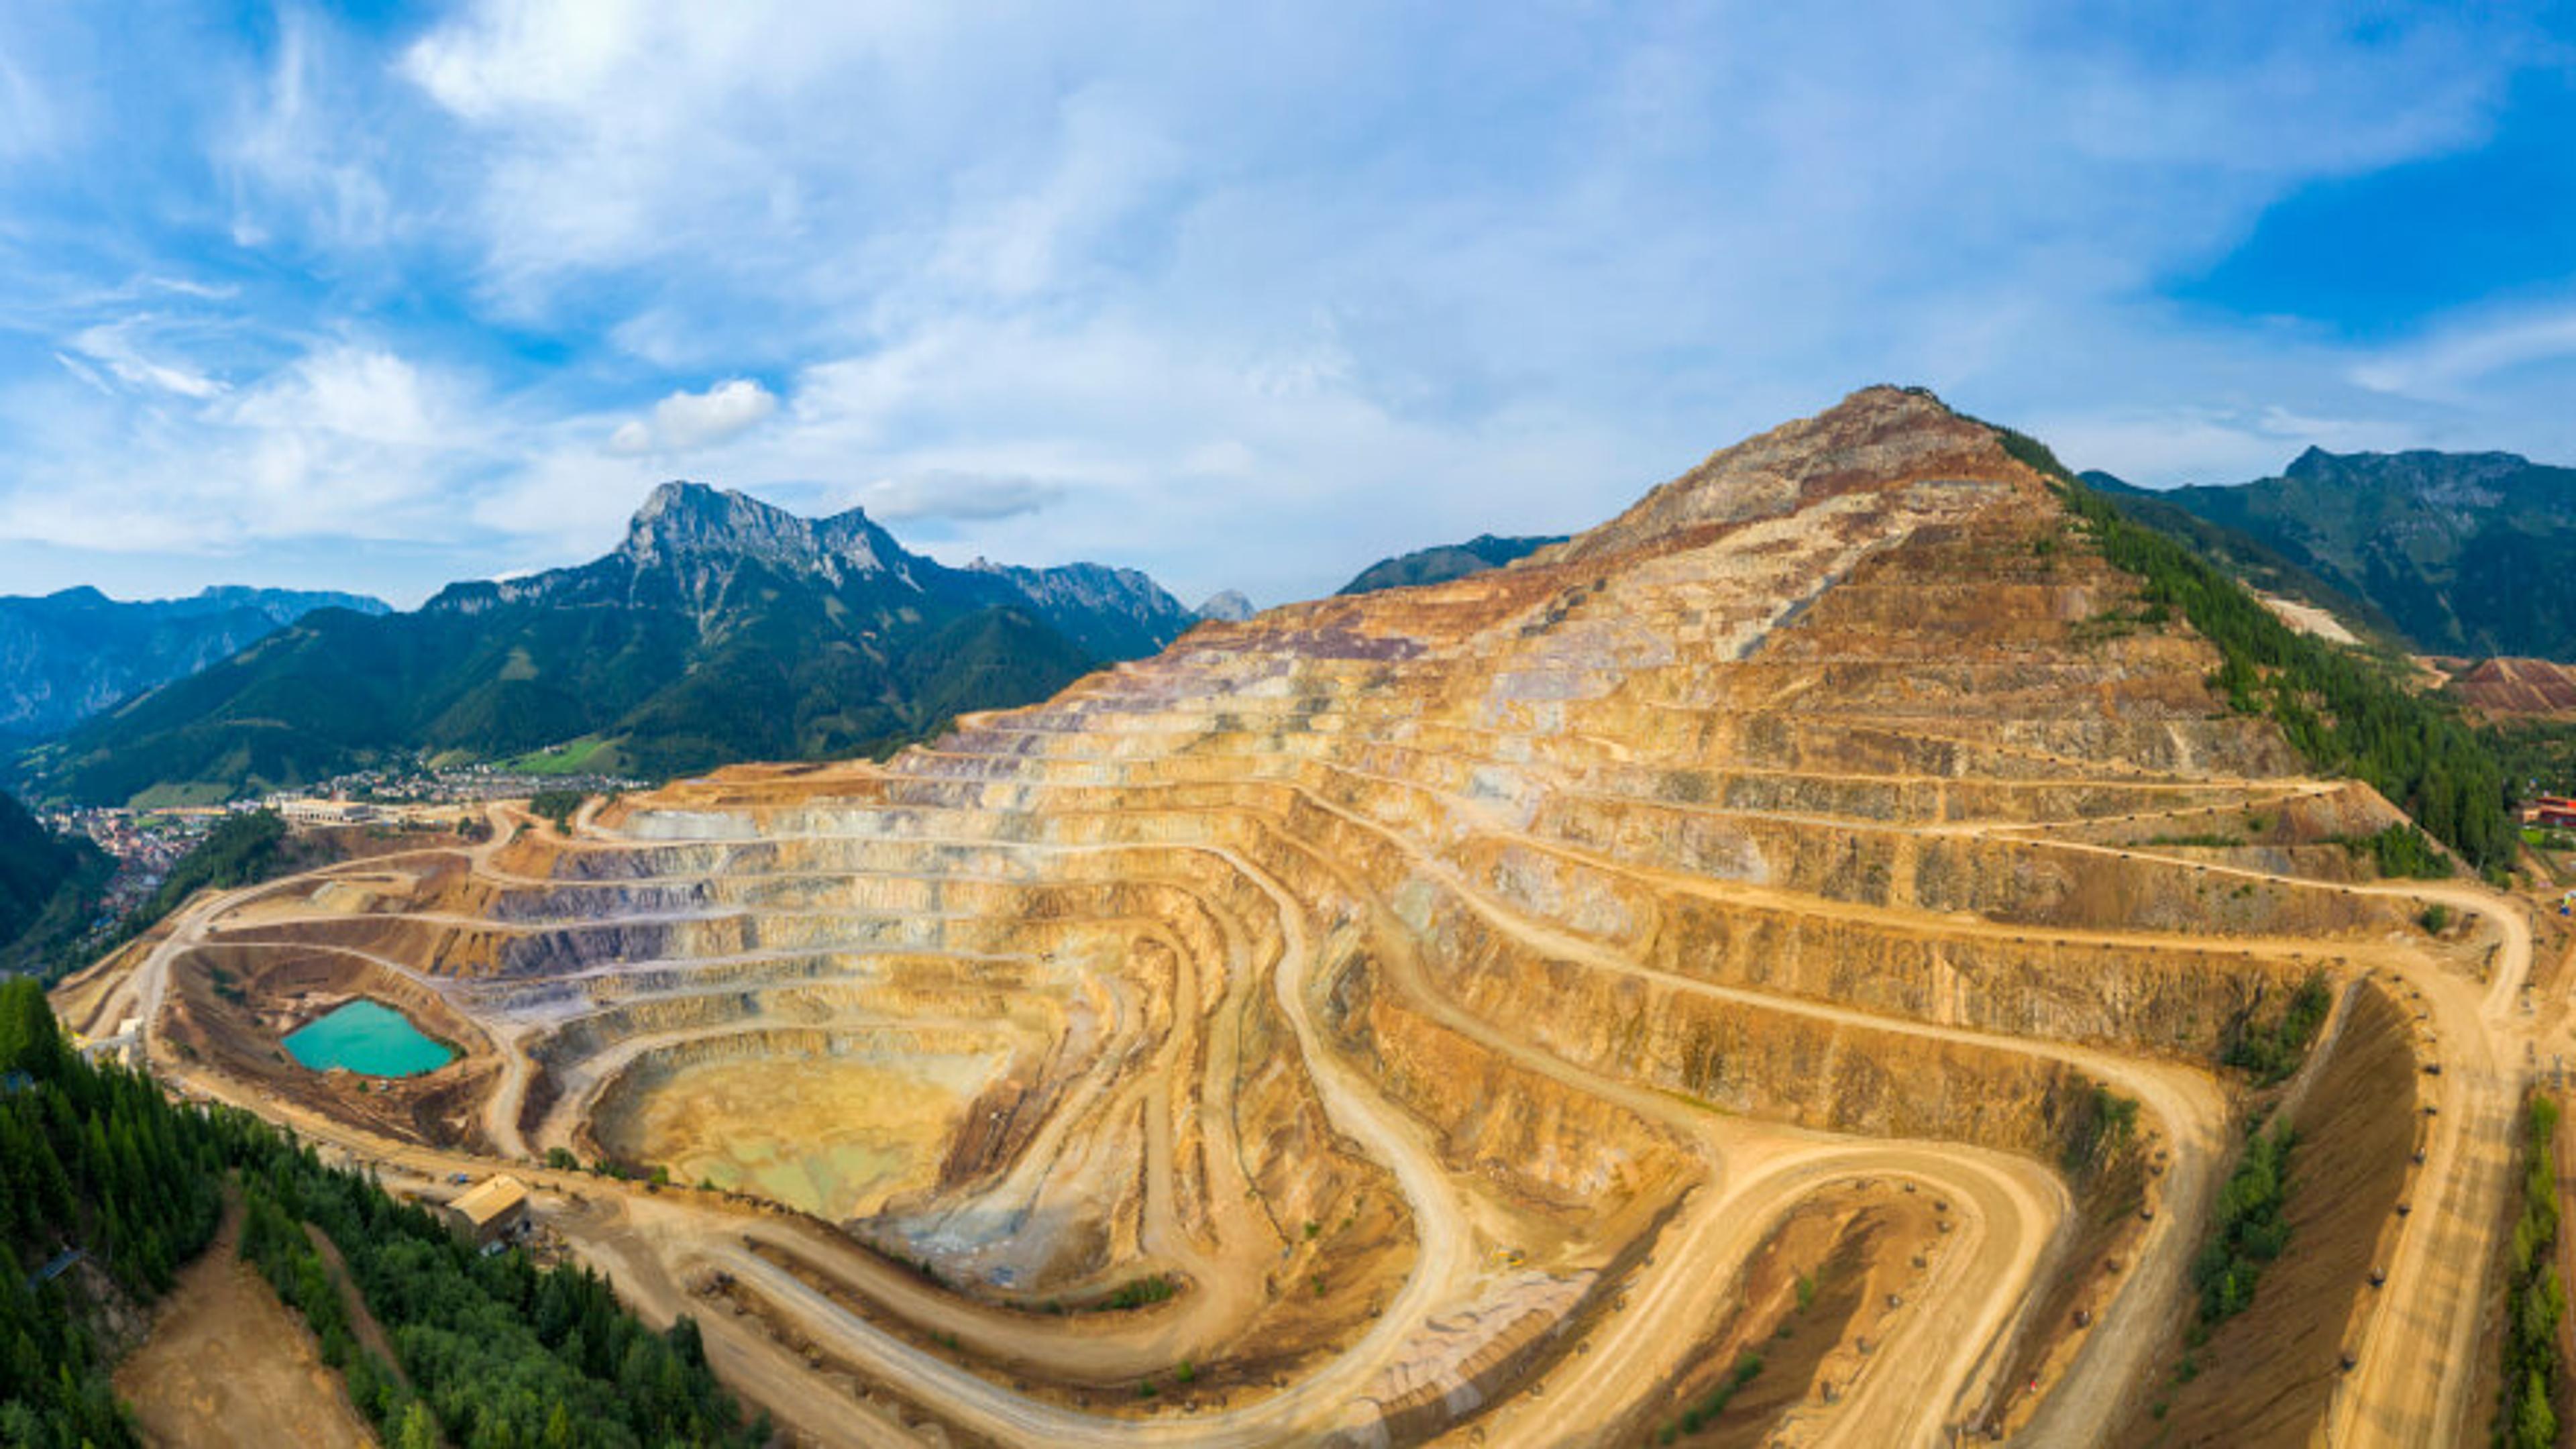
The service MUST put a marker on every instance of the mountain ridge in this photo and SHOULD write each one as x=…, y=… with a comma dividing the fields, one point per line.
x=721, y=628
x=2460, y=553
x=1443, y=562
x=67, y=655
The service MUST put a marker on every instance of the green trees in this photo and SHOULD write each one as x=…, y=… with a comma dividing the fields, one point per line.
x=420, y=1431
x=2342, y=710
x=2537, y=1299
x=49, y=888
x=498, y=1351
x=2399, y=852
x=36, y=866
x=558, y=806
x=2272, y=1051
x=93, y=1162
x=1701, y=1414
x=2099, y=1129
x=241, y=849
x=2246, y=1230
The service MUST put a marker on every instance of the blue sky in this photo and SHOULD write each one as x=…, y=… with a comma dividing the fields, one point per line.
x=379, y=296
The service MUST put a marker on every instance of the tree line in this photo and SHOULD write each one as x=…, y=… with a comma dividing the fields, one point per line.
x=493, y=1352
x=2343, y=711
x=2535, y=1298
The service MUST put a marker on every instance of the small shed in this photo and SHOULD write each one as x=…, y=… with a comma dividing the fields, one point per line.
x=491, y=1209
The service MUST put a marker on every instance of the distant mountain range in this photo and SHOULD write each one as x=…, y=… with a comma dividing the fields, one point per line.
x=722, y=629
x=2459, y=553
x=1449, y=561
x=1110, y=613
x=66, y=656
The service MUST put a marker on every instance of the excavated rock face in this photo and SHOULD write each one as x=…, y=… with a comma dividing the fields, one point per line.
x=1880, y=439
x=2513, y=689
x=1449, y=948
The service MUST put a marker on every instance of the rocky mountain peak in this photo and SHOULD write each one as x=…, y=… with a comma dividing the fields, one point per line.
x=1878, y=438
x=690, y=522
x=1228, y=605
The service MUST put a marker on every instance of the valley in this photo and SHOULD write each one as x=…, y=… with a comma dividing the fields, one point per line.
x=1811, y=909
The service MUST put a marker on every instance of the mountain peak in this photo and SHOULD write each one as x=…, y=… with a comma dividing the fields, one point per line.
x=681, y=511
x=684, y=521
x=1878, y=438
x=1228, y=605
x=2316, y=462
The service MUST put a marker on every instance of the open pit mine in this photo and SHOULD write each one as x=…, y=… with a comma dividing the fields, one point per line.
x=1726, y=978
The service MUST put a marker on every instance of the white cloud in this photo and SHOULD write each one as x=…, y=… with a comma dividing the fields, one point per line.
x=112, y=344
x=973, y=497
x=302, y=146
x=26, y=119
x=2470, y=352
x=561, y=504
x=2205, y=444
x=343, y=441
x=86, y=373
x=1018, y=236
x=687, y=421
x=365, y=394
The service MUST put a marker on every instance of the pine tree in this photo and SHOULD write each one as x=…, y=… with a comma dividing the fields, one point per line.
x=418, y=1430
x=2535, y=1425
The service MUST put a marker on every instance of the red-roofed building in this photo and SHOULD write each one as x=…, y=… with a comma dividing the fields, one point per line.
x=2555, y=812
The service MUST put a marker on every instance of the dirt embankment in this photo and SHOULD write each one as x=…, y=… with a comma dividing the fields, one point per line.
x=227, y=1366
x=1812, y=1305
x=2266, y=1376
x=2507, y=689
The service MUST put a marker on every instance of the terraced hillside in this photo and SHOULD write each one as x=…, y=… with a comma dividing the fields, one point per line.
x=1463, y=1012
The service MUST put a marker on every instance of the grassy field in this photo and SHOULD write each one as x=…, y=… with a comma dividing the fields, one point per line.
x=589, y=753
x=181, y=797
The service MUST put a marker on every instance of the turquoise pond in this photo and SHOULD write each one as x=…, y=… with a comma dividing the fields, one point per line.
x=369, y=1038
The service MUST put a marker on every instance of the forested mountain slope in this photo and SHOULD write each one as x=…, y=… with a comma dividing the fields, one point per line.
x=68, y=655
x=2466, y=553
x=722, y=629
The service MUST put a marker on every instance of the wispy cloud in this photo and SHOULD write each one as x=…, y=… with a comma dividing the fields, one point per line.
x=345, y=441
x=112, y=345
x=2471, y=352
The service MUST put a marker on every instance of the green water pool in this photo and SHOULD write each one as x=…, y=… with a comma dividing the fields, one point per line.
x=371, y=1039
